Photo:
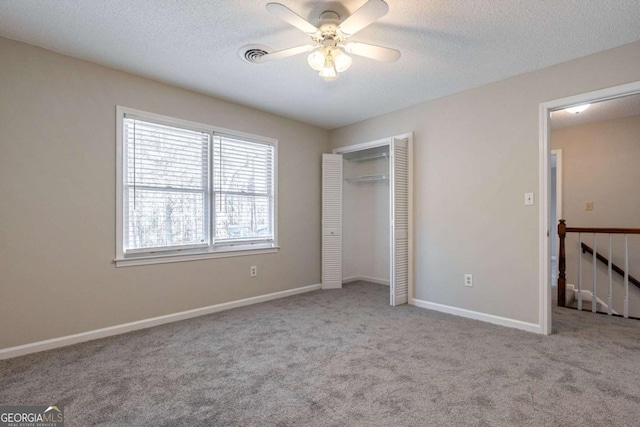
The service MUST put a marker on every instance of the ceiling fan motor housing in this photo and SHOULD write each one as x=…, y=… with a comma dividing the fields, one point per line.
x=328, y=26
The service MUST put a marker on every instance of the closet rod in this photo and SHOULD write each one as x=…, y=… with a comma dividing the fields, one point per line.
x=369, y=178
x=370, y=157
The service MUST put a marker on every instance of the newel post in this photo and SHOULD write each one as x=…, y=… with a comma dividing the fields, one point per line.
x=562, y=264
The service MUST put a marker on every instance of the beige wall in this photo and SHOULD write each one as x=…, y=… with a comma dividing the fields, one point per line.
x=600, y=164
x=475, y=155
x=57, y=201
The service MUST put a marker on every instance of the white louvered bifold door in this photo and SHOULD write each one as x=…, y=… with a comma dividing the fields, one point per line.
x=399, y=176
x=331, y=221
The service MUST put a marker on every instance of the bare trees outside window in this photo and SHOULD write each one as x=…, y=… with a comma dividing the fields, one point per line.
x=185, y=188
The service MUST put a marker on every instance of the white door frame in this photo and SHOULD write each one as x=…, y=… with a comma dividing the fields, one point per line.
x=554, y=227
x=381, y=143
x=362, y=146
x=544, y=183
x=558, y=154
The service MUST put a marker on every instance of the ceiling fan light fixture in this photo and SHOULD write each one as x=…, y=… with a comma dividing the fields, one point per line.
x=328, y=53
x=316, y=59
x=577, y=109
x=342, y=61
x=329, y=72
x=329, y=61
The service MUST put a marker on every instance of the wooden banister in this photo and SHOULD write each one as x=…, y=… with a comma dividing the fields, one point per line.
x=562, y=258
x=562, y=264
x=602, y=230
x=614, y=267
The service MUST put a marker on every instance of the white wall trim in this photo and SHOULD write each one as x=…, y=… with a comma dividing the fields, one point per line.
x=366, y=279
x=35, y=347
x=362, y=146
x=149, y=260
x=409, y=136
x=544, y=276
x=375, y=280
x=476, y=315
x=544, y=155
x=559, y=176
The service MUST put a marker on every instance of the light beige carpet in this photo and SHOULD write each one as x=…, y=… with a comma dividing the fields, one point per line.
x=341, y=358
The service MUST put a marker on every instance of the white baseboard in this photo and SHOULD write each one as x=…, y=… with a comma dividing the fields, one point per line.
x=21, y=350
x=496, y=320
x=366, y=279
x=375, y=280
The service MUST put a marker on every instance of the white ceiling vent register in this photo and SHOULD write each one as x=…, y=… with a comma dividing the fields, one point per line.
x=329, y=48
x=252, y=53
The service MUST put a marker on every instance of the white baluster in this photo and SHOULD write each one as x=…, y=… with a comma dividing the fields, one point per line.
x=626, y=275
x=610, y=299
x=594, y=298
x=580, y=271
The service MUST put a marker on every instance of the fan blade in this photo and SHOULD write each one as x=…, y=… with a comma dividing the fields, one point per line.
x=378, y=53
x=370, y=12
x=285, y=53
x=288, y=15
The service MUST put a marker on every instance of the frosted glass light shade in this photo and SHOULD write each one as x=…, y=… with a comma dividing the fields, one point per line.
x=316, y=59
x=329, y=61
x=342, y=61
x=328, y=72
x=577, y=110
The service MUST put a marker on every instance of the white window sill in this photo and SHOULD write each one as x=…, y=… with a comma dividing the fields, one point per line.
x=181, y=257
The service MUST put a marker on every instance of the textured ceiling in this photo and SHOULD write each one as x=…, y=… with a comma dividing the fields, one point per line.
x=447, y=46
x=617, y=108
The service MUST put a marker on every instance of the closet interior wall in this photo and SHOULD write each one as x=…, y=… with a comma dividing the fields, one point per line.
x=366, y=216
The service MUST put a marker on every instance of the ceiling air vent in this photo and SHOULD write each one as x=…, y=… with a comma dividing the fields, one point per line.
x=251, y=52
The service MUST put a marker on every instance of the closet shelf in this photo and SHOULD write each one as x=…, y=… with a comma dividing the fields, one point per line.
x=369, y=178
x=369, y=157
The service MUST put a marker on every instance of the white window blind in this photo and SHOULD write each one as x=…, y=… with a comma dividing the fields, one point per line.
x=243, y=175
x=188, y=191
x=166, y=186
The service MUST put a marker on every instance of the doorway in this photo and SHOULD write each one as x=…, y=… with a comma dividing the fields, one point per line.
x=547, y=227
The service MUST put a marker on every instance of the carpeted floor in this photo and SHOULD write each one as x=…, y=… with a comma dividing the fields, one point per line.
x=337, y=358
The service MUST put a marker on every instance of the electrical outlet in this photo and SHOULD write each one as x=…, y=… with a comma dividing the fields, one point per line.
x=588, y=206
x=468, y=280
x=253, y=271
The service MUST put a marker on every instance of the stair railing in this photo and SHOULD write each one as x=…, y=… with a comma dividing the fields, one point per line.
x=588, y=250
x=562, y=264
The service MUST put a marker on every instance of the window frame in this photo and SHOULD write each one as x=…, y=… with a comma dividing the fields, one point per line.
x=192, y=252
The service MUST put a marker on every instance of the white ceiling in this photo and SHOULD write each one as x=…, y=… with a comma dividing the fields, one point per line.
x=447, y=46
x=617, y=108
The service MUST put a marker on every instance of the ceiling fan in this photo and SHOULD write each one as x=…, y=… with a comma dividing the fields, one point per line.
x=330, y=36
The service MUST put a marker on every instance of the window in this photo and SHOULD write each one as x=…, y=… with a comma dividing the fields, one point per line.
x=190, y=191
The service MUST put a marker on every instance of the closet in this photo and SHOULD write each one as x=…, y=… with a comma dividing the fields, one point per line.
x=366, y=216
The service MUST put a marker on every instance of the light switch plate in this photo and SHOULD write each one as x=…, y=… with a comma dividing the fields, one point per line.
x=529, y=199
x=588, y=206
